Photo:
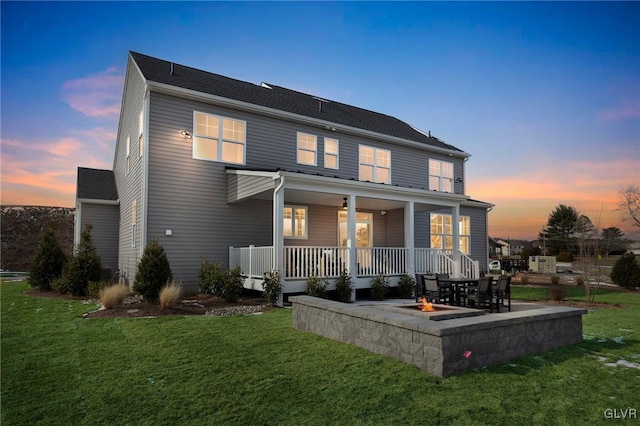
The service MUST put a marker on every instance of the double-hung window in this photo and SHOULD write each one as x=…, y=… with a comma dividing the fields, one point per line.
x=219, y=138
x=295, y=222
x=440, y=175
x=330, y=153
x=140, y=133
x=307, y=149
x=375, y=164
x=128, y=154
x=442, y=232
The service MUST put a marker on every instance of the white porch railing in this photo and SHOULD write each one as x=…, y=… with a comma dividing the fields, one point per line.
x=469, y=268
x=372, y=261
x=253, y=261
x=434, y=261
x=302, y=262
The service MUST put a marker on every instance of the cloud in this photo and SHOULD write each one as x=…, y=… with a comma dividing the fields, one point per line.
x=97, y=95
x=44, y=172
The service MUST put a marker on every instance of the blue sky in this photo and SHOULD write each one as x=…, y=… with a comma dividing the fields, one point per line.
x=545, y=96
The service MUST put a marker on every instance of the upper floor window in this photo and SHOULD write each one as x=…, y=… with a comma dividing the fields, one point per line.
x=140, y=132
x=295, y=222
x=375, y=164
x=330, y=153
x=307, y=149
x=442, y=232
x=440, y=175
x=128, y=154
x=219, y=138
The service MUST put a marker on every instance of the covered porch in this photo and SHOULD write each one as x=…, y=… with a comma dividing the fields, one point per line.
x=323, y=226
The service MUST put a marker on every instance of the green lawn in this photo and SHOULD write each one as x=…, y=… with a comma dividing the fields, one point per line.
x=58, y=368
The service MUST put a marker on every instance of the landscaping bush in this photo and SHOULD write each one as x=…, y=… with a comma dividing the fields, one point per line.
x=112, y=296
x=555, y=279
x=557, y=293
x=317, y=286
x=214, y=279
x=564, y=256
x=83, y=267
x=170, y=294
x=59, y=285
x=48, y=262
x=94, y=288
x=580, y=281
x=344, y=286
x=153, y=271
x=379, y=287
x=272, y=286
x=524, y=279
x=406, y=286
x=626, y=271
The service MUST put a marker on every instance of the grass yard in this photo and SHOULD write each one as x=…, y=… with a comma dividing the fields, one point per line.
x=58, y=368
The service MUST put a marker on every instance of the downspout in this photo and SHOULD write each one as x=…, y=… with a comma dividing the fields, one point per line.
x=278, y=239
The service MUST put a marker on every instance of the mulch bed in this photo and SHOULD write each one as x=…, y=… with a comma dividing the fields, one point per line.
x=135, y=307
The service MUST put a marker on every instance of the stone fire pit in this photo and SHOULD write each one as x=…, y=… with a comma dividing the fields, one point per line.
x=444, y=342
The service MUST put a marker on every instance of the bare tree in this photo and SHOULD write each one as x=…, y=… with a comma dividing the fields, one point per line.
x=587, y=237
x=630, y=204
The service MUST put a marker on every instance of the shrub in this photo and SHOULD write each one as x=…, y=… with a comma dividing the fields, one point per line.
x=557, y=293
x=48, y=262
x=344, y=286
x=555, y=279
x=153, y=271
x=83, y=267
x=406, y=286
x=564, y=256
x=524, y=279
x=211, y=277
x=626, y=271
x=232, y=285
x=379, y=287
x=113, y=296
x=580, y=281
x=272, y=286
x=59, y=285
x=170, y=294
x=317, y=287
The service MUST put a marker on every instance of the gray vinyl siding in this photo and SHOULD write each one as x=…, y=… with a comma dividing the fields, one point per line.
x=130, y=185
x=479, y=241
x=240, y=187
x=104, y=220
x=190, y=196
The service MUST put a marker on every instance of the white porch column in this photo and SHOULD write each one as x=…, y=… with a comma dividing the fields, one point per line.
x=278, y=233
x=455, y=213
x=409, y=240
x=351, y=239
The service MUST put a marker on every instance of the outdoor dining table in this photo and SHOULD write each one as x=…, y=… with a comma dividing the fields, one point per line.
x=459, y=284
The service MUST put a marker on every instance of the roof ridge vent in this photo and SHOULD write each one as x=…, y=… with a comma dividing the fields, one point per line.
x=265, y=85
x=171, y=69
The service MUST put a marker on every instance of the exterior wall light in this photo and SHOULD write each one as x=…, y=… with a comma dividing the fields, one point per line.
x=186, y=134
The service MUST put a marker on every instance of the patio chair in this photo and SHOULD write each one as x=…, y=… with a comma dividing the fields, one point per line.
x=420, y=287
x=502, y=291
x=480, y=296
x=443, y=292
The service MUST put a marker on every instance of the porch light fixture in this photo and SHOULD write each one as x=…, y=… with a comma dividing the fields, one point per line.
x=186, y=134
x=344, y=205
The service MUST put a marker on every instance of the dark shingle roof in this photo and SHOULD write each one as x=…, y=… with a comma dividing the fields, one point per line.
x=94, y=184
x=280, y=98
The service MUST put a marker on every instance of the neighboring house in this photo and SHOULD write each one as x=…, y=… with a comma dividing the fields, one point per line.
x=265, y=178
x=499, y=247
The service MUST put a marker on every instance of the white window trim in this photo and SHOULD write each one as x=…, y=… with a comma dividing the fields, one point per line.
x=298, y=149
x=444, y=235
x=374, y=165
x=219, y=139
x=336, y=154
x=293, y=223
x=134, y=221
x=440, y=177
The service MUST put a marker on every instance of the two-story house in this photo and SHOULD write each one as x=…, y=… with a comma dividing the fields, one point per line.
x=269, y=178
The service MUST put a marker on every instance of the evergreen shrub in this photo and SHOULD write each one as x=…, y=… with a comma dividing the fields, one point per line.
x=626, y=271
x=153, y=271
x=48, y=262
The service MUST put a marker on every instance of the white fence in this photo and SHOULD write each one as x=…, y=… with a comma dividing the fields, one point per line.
x=253, y=261
x=374, y=261
x=433, y=261
x=302, y=262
